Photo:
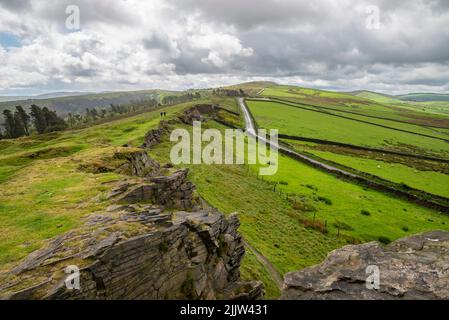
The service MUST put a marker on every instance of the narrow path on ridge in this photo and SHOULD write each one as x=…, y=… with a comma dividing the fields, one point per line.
x=275, y=275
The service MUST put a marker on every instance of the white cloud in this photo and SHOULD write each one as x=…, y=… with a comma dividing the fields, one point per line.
x=131, y=44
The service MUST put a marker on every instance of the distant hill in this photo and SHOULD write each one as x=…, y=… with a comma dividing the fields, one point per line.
x=10, y=98
x=78, y=102
x=43, y=96
x=375, y=96
x=60, y=95
x=424, y=97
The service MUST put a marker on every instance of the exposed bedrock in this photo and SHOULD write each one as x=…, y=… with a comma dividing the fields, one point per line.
x=194, y=255
x=157, y=240
x=416, y=267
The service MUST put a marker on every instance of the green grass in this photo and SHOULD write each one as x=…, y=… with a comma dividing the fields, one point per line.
x=377, y=97
x=42, y=192
x=429, y=181
x=388, y=215
x=268, y=221
x=273, y=224
x=252, y=269
x=294, y=121
x=373, y=104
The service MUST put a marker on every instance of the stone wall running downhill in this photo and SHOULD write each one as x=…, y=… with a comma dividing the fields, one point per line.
x=158, y=240
x=412, y=268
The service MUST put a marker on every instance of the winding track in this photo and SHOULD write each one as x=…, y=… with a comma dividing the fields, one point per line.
x=251, y=131
x=275, y=275
x=418, y=199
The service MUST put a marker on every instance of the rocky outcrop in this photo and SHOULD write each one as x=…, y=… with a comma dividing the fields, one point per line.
x=411, y=268
x=200, y=112
x=155, y=136
x=172, y=191
x=138, y=163
x=194, y=255
x=158, y=240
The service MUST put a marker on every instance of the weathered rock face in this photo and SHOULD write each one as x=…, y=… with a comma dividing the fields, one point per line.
x=173, y=191
x=144, y=246
x=199, y=112
x=138, y=163
x=411, y=268
x=155, y=136
x=181, y=255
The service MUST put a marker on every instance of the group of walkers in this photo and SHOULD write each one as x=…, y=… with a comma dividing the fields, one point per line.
x=163, y=114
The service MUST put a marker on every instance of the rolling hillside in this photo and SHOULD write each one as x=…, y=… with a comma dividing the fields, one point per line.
x=424, y=97
x=292, y=219
x=78, y=103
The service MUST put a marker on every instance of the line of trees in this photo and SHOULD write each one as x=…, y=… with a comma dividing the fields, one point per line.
x=229, y=92
x=19, y=123
x=42, y=120
x=175, y=99
x=91, y=115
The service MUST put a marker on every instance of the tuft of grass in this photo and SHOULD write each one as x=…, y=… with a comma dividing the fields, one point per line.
x=365, y=212
x=343, y=226
x=384, y=240
x=325, y=200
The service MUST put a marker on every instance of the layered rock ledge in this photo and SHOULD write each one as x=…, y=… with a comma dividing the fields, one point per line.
x=179, y=255
x=158, y=240
x=416, y=267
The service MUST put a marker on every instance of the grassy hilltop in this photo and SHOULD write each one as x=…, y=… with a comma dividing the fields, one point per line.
x=294, y=218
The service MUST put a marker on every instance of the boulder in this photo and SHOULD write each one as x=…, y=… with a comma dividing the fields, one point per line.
x=416, y=267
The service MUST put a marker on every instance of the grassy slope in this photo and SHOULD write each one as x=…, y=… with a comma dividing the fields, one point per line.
x=78, y=103
x=424, y=97
x=377, y=97
x=376, y=106
x=268, y=221
x=388, y=215
x=299, y=122
x=43, y=194
x=429, y=181
x=421, y=103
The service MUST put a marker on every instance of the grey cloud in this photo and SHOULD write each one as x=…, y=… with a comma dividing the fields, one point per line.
x=312, y=40
x=15, y=5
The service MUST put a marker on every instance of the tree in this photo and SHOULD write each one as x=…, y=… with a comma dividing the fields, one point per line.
x=46, y=120
x=9, y=123
x=19, y=126
x=25, y=119
x=39, y=120
x=71, y=120
x=94, y=114
x=53, y=122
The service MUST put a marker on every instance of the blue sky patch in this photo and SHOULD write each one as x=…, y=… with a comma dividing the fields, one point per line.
x=8, y=40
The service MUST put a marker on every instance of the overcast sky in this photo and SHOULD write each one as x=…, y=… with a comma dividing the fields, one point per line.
x=178, y=44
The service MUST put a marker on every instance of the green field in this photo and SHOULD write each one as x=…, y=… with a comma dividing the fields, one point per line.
x=294, y=218
x=429, y=181
x=389, y=217
x=304, y=123
x=365, y=103
x=42, y=192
